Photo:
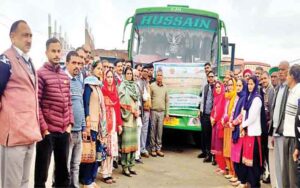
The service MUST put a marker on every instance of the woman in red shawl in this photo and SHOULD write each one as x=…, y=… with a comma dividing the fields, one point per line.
x=113, y=124
x=217, y=128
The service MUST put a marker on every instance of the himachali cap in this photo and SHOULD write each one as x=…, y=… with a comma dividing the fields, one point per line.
x=273, y=69
x=247, y=71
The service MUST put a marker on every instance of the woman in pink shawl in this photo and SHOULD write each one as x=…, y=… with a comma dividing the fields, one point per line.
x=217, y=127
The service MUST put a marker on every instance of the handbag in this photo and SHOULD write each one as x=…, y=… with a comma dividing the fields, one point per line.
x=88, y=150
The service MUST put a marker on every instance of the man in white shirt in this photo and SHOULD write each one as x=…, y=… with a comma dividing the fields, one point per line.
x=289, y=171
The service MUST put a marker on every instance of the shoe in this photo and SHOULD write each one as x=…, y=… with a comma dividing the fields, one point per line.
x=266, y=180
x=139, y=161
x=108, y=180
x=235, y=184
x=202, y=155
x=160, y=153
x=115, y=164
x=228, y=176
x=221, y=172
x=153, y=154
x=207, y=159
x=126, y=172
x=218, y=169
x=132, y=172
x=146, y=155
x=112, y=179
x=233, y=179
x=214, y=163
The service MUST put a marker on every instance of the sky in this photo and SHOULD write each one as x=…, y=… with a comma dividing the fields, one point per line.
x=263, y=30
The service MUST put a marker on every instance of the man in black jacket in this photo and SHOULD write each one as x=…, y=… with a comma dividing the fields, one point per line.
x=207, y=101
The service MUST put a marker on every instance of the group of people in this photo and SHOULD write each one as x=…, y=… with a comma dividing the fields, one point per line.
x=90, y=113
x=250, y=124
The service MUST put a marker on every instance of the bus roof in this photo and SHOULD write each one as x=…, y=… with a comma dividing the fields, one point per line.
x=177, y=9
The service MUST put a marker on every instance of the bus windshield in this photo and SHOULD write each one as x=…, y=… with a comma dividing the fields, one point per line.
x=175, y=37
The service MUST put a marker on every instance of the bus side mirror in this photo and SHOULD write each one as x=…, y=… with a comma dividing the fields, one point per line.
x=225, y=45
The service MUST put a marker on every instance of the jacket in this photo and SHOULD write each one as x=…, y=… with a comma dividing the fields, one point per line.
x=55, y=99
x=19, y=103
x=279, y=129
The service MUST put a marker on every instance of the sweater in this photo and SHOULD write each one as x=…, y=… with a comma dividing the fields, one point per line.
x=291, y=111
x=159, y=98
x=55, y=110
x=77, y=102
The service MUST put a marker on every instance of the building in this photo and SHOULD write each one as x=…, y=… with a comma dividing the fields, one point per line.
x=241, y=64
x=121, y=54
x=88, y=36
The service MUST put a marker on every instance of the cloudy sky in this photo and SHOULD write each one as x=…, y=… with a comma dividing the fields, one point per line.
x=263, y=30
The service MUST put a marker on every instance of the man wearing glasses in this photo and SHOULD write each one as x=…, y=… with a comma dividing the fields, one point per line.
x=207, y=101
x=82, y=57
x=73, y=64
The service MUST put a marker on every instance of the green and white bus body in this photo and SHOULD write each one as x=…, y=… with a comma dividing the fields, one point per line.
x=180, y=40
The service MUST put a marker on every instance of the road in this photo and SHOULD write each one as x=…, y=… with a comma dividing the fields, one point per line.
x=180, y=168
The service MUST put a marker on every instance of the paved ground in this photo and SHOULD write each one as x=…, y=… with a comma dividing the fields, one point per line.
x=180, y=168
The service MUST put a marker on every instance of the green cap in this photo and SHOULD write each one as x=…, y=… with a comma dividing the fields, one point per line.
x=273, y=69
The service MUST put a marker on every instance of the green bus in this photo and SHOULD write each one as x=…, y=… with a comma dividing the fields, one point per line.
x=179, y=40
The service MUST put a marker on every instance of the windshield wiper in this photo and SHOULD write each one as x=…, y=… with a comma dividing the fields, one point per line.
x=160, y=60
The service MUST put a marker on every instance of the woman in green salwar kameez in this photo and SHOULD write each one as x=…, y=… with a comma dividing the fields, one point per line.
x=129, y=110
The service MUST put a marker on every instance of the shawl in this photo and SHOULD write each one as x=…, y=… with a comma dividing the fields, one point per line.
x=219, y=102
x=238, y=109
x=251, y=95
x=231, y=97
x=115, y=101
x=92, y=80
x=127, y=93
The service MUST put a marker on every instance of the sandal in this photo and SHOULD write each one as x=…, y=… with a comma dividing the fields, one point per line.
x=235, y=184
x=233, y=179
x=218, y=170
x=108, y=180
x=112, y=179
x=221, y=172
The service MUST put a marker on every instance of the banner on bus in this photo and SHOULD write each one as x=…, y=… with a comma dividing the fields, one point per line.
x=184, y=82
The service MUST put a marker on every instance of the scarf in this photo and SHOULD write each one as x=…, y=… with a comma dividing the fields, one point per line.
x=231, y=97
x=115, y=101
x=219, y=102
x=92, y=80
x=127, y=93
x=251, y=95
x=237, y=111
